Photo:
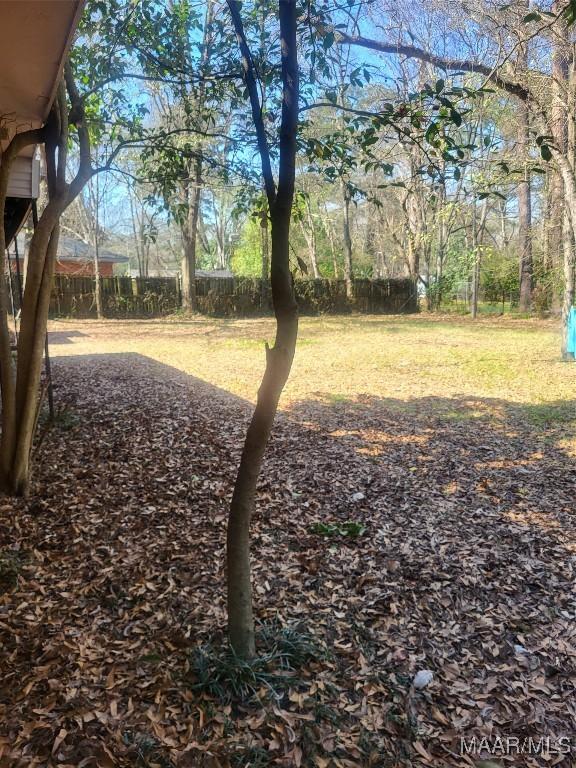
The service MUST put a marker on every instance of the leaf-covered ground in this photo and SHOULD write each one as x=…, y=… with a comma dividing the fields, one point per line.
x=398, y=530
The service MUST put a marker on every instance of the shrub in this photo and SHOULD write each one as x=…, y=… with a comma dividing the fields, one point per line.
x=350, y=528
x=10, y=568
x=221, y=674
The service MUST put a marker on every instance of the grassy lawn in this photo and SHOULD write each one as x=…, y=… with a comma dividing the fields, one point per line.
x=447, y=361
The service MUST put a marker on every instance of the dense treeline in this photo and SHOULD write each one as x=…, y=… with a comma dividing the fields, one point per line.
x=474, y=203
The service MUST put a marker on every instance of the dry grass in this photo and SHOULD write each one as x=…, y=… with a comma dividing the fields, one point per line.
x=400, y=358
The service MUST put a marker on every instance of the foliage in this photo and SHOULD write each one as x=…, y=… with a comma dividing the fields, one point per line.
x=10, y=569
x=499, y=276
x=246, y=259
x=350, y=529
x=220, y=674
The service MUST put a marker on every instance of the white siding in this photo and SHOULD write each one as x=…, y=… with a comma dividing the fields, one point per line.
x=24, y=178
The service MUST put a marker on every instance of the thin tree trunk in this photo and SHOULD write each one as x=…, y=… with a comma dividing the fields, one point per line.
x=189, y=236
x=348, y=269
x=524, y=195
x=96, y=246
x=265, y=250
x=27, y=403
x=278, y=358
x=136, y=230
x=525, y=218
x=439, y=272
x=311, y=240
x=97, y=285
x=194, y=192
x=476, y=268
x=330, y=233
x=278, y=364
x=568, y=299
x=477, y=232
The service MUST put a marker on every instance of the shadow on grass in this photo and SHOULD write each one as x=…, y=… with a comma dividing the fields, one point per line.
x=513, y=461
x=63, y=337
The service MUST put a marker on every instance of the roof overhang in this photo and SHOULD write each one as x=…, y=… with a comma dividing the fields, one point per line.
x=35, y=37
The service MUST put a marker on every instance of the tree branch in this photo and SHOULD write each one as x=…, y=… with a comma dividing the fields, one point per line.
x=77, y=117
x=252, y=87
x=442, y=62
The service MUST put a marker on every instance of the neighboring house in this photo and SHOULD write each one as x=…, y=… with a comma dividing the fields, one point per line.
x=76, y=259
x=218, y=273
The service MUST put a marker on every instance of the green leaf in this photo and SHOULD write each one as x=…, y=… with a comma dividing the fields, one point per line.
x=328, y=40
x=456, y=117
x=569, y=12
x=431, y=132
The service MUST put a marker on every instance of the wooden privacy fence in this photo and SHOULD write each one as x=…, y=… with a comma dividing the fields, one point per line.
x=126, y=297
x=122, y=297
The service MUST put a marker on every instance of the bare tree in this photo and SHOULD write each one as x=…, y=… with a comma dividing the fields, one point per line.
x=544, y=100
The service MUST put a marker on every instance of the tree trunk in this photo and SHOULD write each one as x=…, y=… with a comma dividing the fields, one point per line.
x=348, y=270
x=96, y=243
x=278, y=364
x=97, y=282
x=556, y=234
x=20, y=388
x=440, y=255
x=330, y=233
x=279, y=358
x=476, y=267
x=524, y=196
x=189, y=237
x=311, y=240
x=413, y=256
x=568, y=299
x=136, y=232
x=561, y=126
x=477, y=238
x=30, y=352
x=525, y=220
x=194, y=191
x=265, y=249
